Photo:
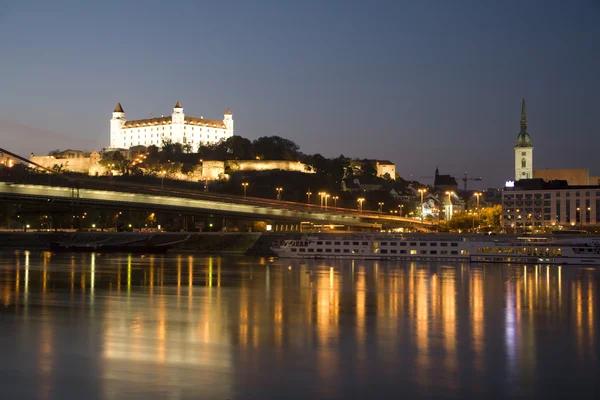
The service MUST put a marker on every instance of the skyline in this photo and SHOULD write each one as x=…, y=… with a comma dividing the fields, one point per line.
x=384, y=86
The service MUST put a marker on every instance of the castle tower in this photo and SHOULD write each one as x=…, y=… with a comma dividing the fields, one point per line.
x=523, y=150
x=228, y=121
x=116, y=123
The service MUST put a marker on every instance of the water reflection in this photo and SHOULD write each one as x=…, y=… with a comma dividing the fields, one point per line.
x=194, y=326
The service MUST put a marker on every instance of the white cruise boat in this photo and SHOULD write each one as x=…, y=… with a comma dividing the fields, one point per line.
x=476, y=248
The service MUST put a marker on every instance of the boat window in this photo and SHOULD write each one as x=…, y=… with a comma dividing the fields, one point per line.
x=444, y=244
x=413, y=252
x=327, y=250
x=402, y=251
x=319, y=242
x=413, y=243
x=508, y=250
x=383, y=251
x=497, y=250
x=393, y=244
x=355, y=243
x=336, y=243
x=346, y=250
x=294, y=249
x=336, y=250
x=444, y=252
x=365, y=243
x=346, y=243
x=454, y=252
x=559, y=252
x=394, y=251
x=423, y=244
x=354, y=251
x=402, y=243
x=464, y=252
x=433, y=244
x=433, y=252
x=311, y=250
x=384, y=243
x=327, y=242
x=454, y=244
x=319, y=250
x=422, y=251
x=302, y=250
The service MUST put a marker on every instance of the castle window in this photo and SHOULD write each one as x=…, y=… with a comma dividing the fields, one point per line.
x=523, y=163
x=523, y=153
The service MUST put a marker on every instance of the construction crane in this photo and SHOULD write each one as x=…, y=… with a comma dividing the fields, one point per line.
x=465, y=178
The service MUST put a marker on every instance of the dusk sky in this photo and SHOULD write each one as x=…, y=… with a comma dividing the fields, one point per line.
x=421, y=83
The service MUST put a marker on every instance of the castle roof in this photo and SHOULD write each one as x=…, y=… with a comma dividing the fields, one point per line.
x=228, y=112
x=178, y=104
x=118, y=108
x=211, y=123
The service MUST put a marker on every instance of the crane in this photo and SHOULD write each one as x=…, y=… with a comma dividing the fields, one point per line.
x=466, y=178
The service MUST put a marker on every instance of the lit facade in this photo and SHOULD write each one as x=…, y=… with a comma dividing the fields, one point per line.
x=535, y=205
x=178, y=127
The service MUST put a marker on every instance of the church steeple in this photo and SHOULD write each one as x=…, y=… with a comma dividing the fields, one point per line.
x=523, y=140
x=523, y=150
x=523, y=114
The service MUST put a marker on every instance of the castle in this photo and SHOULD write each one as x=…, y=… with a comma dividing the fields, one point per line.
x=177, y=128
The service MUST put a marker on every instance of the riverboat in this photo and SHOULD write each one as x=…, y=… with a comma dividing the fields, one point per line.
x=477, y=248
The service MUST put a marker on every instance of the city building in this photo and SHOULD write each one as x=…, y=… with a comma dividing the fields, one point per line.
x=385, y=168
x=579, y=176
x=177, y=127
x=533, y=204
x=523, y=150
x=442, y=183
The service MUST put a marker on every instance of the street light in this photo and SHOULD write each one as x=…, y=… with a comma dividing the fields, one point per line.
x=308, y=197
x=449, y=205
x=322, y=195
x=401, y=209
x=162, y=179
x=360, y=204
x=279, y=189
x=335, y=199
x=380, y=206
x=477, y=194
x=422, y=191
x=326, y=196
x=244, y=186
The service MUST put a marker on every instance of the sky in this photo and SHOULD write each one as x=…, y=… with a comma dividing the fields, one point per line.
x=420, y=83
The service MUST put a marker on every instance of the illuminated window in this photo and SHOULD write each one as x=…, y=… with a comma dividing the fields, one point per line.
x=413, y=251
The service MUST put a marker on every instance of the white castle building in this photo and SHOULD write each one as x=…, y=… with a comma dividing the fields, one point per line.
x=178, y=127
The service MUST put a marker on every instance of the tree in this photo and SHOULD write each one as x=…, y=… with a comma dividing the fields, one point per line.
x=275, y=148
x=490, y=217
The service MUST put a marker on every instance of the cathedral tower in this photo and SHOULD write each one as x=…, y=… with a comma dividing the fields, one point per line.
x=523, y=150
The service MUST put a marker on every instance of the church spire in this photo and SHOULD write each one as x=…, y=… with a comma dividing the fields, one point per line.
x=523, y=139
x=523, y=114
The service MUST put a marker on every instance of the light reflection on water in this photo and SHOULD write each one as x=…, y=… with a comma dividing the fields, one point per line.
x=182, y=326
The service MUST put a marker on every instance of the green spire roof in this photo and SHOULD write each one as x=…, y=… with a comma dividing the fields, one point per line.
x=523, y=140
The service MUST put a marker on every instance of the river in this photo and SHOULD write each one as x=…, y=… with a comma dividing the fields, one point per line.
x=103, y=326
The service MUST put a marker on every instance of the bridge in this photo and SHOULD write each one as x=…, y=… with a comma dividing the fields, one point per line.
x=89, y=192
x=144, y=198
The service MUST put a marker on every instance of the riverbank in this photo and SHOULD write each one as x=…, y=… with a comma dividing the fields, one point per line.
x=254, y=244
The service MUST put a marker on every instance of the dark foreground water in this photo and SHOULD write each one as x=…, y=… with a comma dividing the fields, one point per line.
x=84, y=326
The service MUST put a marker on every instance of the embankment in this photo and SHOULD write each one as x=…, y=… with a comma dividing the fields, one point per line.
x=253, y=244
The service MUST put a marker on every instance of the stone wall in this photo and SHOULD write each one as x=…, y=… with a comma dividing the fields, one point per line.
x=266, y=165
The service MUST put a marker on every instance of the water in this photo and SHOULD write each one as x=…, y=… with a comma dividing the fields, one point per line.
x=102, y=326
